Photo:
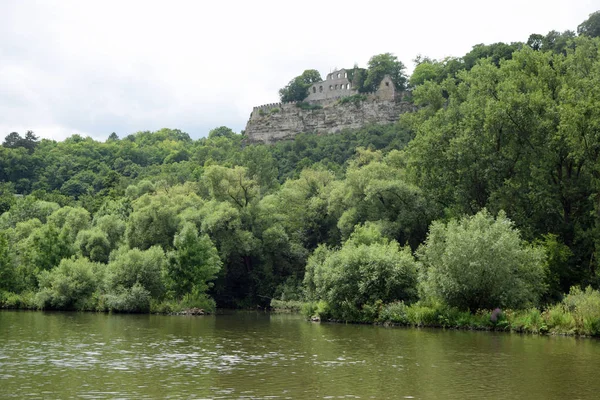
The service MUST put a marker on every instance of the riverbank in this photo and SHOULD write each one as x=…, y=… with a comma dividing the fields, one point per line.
x=578, y=314
x=189, y=305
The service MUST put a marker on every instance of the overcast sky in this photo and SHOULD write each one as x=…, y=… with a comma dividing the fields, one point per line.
x=96, y=67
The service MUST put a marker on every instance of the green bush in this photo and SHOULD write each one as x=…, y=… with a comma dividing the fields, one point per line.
x=135, y=299
x=129, y=267
x=367, y=269
x=69, y=286
x=481, y=263
x=25, y=300
x=355, y=99
x=289, y=305
x=584, y=305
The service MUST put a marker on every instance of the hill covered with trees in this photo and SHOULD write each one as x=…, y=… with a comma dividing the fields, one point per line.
x=488, y=196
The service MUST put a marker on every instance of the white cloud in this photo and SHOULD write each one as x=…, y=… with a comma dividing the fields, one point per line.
x=94, y=67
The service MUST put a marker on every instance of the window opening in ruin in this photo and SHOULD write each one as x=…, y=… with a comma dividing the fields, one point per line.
x=320, y=89
x=330, y=87
x=314, y=89
x=387, y=84
x=335, y=87
x=345, y=74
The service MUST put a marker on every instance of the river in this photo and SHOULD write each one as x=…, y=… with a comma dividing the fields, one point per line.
x=248, y=355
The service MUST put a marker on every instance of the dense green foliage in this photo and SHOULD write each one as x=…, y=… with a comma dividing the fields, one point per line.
x=367, y=269
x=481, y=263
x=493, y=184
x=297, y=88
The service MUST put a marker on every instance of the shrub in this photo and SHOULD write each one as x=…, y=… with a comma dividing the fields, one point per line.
x=584, y=305
x=481, y=263
x=133, y=266
x=130, y=300
x=355, y=99
x=289, y=305
x=25, y=300
x=367, y=269
x=69, y=286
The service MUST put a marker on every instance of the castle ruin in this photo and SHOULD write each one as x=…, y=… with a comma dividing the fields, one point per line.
x=324, y=110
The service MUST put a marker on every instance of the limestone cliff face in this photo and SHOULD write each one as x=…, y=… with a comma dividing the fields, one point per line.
x=280, y=121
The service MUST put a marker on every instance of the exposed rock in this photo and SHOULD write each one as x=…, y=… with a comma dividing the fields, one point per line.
x=280, y=121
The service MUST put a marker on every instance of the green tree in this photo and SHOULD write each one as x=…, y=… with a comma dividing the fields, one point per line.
x=481, y=262
x=221, y=131
x=70, y=286
x=194, y=262
x=297, y=88
x=153, y=222
x=591, y=26
x=94, y=244
x=381, y=65
x=7, y=270
x=367, y=269
x=131, y=267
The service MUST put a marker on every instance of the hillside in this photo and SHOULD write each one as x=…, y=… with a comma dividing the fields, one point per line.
x=505, y=145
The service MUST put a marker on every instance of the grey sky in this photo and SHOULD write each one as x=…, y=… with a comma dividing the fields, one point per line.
x=94, y=67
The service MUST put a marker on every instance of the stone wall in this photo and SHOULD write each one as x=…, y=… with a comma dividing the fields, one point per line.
x=335, y=86
x=281, y=121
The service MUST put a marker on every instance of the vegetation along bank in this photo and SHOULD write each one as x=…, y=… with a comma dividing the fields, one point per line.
x=481, y=208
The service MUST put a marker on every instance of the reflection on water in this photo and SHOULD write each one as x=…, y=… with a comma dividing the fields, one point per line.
x=261, y=356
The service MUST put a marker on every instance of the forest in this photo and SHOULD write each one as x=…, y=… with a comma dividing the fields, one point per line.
x=480, y=208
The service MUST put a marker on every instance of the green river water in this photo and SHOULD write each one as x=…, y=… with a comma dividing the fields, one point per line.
x=248, y=355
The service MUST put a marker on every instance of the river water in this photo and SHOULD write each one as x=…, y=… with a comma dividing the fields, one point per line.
x=248, y=355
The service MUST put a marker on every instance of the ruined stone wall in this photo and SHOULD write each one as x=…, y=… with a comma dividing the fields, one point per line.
x=335, y=86
x=280, y=121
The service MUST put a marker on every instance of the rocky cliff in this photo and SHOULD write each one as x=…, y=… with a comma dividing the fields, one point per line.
x=280, y=121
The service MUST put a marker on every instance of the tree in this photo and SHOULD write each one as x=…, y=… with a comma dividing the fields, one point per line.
x=7, y=271
x=381, y=65
x=12, y=140
x=94, y=244
x=69, y=286
x=194, y=262
x=131, y=267
x=297, y=88
x=427, y=70
x=591, y=26
x=495, y=51
x=481, y=262
x=367, y=269
x=154, y=222
x=30, y=141
x=221, y=131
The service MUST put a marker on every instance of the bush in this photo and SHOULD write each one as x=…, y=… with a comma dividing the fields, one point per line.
x=130, y=267
x=12, y=300
x=584, y=305
x=355, y=99
x=69, y=286
x=135, y=299
x=367, y=269
x=481, y=263
x=289, y=305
